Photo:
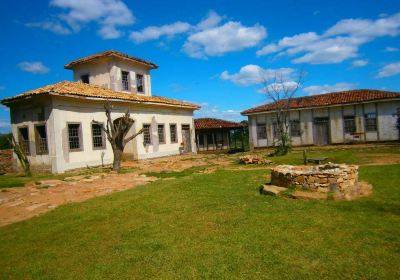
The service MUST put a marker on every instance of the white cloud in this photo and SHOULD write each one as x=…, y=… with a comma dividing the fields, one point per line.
x=388, y=26
x=268, y=49
x=208, y=111
x=155, y=32
x=388, y=70
x=253, y=74
x=391, y=49
x=211, y=20
x=54, y=27
x=321, y=89
x=338, y=43
x=108, y=14
x=359, y=63
x=35, y=67
x=229, y=37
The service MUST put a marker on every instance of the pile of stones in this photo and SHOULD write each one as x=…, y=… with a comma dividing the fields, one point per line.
x=249, y=159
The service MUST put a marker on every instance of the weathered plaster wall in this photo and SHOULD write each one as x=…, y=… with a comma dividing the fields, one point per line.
x=28, y=114
x=84, y=112
x=99, y=72
x=386, y=123
x=106, y=72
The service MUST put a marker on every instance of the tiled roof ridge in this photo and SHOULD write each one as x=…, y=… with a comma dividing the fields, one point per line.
x=204, y=123
x=109, y=53
x=69, y=88
x=327, y=99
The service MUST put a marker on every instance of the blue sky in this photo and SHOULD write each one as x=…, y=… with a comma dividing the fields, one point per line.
x=214, y=53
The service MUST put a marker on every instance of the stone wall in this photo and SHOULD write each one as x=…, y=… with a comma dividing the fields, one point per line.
x=338, y=178
x=6, y=161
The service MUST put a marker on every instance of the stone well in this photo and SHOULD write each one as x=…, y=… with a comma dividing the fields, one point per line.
x=341, y=179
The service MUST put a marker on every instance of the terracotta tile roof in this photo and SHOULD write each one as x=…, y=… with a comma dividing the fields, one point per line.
x=110, y=53
x=207, y=123
x=78, y=89
x=328, y=99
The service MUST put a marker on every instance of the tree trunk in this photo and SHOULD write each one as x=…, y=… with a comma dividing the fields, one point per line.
x=117, y=159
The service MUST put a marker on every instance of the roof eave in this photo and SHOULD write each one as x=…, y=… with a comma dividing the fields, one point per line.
x=245, y=113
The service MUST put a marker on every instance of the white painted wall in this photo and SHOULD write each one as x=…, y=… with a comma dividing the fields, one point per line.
x=62, y=110
x=107, y=72
x=386, y=122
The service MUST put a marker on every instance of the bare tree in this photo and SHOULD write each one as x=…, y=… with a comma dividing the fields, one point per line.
x=116, y=131
x=21, y=155
x=281, y=90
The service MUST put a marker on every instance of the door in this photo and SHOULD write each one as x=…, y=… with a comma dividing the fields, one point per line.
x=321, y=131
x=187, y=147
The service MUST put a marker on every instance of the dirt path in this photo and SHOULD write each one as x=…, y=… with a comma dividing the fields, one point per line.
x=21, y=203
x=17, y=204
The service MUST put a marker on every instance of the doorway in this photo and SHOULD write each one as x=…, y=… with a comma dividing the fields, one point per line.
x=321, y=131
x=186, y=139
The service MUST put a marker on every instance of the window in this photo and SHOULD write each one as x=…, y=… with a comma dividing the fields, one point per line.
x=370, y=122
x=125, y=80
x=41, y=140
x=261, y=131
x=349, y=124
x=85, y=79
x=139, y=83
x=98, y=136
x=295, y=128
x=146, y=134
x=161, y=134
x=23, y=139
x=277, y=132
x=74, y=136
x=172, y=133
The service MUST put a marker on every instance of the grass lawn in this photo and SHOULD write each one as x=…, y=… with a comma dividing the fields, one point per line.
x=211, y=226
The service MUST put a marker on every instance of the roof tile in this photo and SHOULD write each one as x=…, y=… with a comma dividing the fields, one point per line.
x=327, y=99
x=110, y=53
x=78, y=89
x=208, y=123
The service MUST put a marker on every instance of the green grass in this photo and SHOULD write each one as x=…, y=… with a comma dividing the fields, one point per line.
x=336, y=154
x=211, y=226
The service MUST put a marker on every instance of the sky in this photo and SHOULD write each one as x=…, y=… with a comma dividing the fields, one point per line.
x=219, y=54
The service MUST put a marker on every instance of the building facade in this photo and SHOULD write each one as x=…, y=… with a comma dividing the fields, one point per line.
x=216, y=134
x=332, y=118
x=57, y=124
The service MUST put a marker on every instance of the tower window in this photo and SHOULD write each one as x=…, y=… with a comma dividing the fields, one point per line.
x=85, y=79
x=139, y=83
x=125, y=80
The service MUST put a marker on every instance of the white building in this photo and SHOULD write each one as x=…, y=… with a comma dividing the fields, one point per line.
x=332, y=118
x=55, y=123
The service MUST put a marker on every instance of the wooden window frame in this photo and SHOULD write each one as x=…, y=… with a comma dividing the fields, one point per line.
x=176, y=132
x=137, y=83
x=297, y=131
x=37, y=142
x=151, y=140
x=161, y=141
x=366, y=118
x=123, y=84
x=345, y=129
x=80, y=137
x=19, y=137
x=103, y=137
x=258, y=131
